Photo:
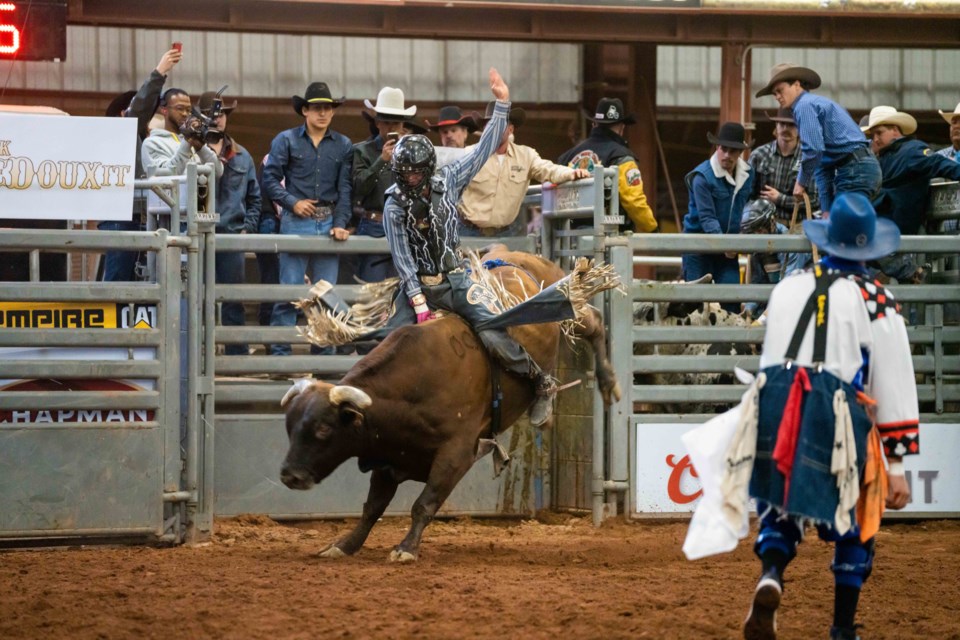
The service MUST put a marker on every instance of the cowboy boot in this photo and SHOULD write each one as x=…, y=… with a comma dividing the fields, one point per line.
x=761, y=623
x=542, y=408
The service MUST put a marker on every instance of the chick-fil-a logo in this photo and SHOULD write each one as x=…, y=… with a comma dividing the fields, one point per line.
x=675, y=482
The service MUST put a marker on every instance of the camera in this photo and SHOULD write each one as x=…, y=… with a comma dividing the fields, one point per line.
x=203, y=126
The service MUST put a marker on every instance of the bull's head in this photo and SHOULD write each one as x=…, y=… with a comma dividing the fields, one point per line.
x=324, y=425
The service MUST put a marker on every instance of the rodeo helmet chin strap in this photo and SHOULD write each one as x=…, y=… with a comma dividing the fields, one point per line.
x=818, y=308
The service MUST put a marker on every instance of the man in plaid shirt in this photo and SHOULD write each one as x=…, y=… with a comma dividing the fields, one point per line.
x=776, y=165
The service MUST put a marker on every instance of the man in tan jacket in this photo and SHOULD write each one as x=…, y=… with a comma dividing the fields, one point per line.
x=491, y=202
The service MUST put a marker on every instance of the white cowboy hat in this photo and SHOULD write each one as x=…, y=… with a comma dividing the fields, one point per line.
x=889, y=115
x=390, y=103
x=950, y=115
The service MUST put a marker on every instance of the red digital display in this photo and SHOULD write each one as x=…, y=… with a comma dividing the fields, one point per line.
x=33, y=30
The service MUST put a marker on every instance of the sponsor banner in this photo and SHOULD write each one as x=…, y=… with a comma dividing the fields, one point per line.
x=74, y=168
x=76, y=315
x=666, y=482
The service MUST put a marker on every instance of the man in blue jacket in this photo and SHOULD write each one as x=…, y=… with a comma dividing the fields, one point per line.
x=908, y=165
x=238, y=203
x=719, y=189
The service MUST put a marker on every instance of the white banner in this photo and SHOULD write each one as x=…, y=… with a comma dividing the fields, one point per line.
x=69, y=168
x=666, y=482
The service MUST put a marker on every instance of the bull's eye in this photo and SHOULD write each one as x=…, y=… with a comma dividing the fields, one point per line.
x=322, y=431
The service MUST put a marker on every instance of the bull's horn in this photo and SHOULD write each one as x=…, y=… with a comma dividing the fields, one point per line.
x=344, y=393
x=297, y=388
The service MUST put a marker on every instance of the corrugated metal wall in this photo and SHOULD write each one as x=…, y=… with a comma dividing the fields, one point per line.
x=111, y=60
x=859, y=79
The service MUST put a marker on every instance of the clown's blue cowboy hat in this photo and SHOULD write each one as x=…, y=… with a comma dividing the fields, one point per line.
x=317, y=92
x=853, y=231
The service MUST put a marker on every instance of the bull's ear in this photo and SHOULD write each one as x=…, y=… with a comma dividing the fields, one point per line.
x=350, y=416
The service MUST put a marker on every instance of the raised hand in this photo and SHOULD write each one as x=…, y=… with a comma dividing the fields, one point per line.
x=168, y=61
x=499, y=88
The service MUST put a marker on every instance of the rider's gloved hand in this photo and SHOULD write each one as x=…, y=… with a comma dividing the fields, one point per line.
x=420, y=307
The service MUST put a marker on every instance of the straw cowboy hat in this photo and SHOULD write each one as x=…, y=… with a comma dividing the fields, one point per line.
x=450, y=116
x=731, y=135
x=789, y=71
x=950, y=115
x=853, y=230
x=205, y=103
x=390, y=105
x=611, y=111
x=890, y=116
x=317, y=92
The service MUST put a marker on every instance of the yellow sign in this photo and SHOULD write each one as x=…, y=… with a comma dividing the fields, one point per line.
x=76, y=315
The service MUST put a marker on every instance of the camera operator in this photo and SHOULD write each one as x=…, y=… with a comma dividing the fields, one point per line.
x=238, y=203
x=180, y=140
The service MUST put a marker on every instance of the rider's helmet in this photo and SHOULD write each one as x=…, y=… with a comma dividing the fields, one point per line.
x=413, y=163
x=758, y=216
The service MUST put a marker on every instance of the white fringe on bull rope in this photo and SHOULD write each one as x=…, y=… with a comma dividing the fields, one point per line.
x=375, y=303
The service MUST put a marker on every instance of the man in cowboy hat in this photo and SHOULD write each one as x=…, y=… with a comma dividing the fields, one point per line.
x=491, y=202
x=835, y=346
x=606, y=146
x=833, y=149
x=453, y=127
x=952, y=150
x=719, y=188
x=308, y=174
x=238, y=203
x=776, y=165
x=142, y=105
x=372, y=177
x=908, y=165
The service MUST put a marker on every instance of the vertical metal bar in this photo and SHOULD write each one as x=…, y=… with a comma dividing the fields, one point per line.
x=167, y=263
x=193, y=353
x=206, y=511
x=35, y=265
x=938, y=357
x=620, y=336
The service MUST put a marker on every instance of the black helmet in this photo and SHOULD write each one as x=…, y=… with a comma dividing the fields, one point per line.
x=757, y=216
x=413, y=163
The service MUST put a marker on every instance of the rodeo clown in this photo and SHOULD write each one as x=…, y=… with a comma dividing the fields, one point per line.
x=422, y=227
x=836, y=386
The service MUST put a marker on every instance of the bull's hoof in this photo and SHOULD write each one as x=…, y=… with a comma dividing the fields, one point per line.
x=402, y=557
x=333, y=551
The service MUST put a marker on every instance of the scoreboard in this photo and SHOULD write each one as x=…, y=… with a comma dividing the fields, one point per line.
x=33, y=30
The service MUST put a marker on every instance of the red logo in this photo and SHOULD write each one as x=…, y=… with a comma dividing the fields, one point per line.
x=674, y=488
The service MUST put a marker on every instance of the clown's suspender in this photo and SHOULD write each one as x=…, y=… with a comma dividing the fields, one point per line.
x=818, y=306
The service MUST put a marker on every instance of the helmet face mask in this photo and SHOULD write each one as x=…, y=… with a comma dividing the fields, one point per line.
x=413, y=163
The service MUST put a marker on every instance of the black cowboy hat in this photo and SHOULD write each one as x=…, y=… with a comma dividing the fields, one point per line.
x=119, y=104
x=316, y=92
x=453, y=115
x=611, y=111
x=517, y=116
x=784, y=115
x=731, y=135
x=789, y=71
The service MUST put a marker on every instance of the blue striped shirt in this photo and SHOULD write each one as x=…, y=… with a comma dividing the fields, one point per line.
x=827, y=134
x=426, y=251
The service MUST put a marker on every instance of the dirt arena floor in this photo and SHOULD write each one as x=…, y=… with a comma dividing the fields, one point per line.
x=554, y=578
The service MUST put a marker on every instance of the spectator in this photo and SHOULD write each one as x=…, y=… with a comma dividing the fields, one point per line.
x=953, y=119
x=908, y=165
x=308, y=175
x=833, y=149
x=491, y=202
x=142, y=105
x=719, y=188
x=453, y=127
x=268, y=264
x=606, y=146
x=776, y=165
x=165, y=149
x=372, y=177
x=238, y=203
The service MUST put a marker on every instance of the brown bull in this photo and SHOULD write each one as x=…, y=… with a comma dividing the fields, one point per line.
x=416, y=407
